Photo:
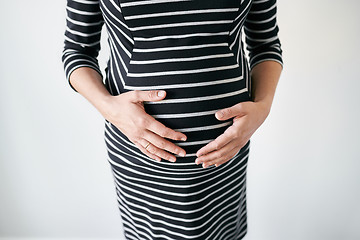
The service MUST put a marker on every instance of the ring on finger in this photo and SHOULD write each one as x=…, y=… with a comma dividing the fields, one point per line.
x=147, y=145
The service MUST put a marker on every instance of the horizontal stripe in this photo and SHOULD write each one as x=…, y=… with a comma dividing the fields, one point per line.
x=194, y=143
x=261, y=21
x=184, y=115
x=223, y=183
x=141, y=157
x=82, y=12
x=180, y=47
x=124, y=207
x=152, y=74
x=86, y=1
x=81, y=33
x=84, y=24
x=261, y=31
x=81, y=43
x=193, y=49
x=180, y=59
x=138, y=3
x=162, y=14
x=264, y=10
x=185, y=85
x=183, y=24
x=181, y=203
x=203, y=128
x=196, y=99
x=180, y=36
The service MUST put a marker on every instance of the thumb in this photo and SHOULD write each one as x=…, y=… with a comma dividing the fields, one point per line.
x=150, y=96
x=230, y=112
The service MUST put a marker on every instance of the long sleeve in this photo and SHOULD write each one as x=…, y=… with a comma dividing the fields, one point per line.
x=261, y=33
x=82, y=36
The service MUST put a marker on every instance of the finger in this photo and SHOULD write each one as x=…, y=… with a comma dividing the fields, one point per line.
x=161, y=153
x=233, y=111
x=154, y=151
x=152, y=95
x=162, y=143
x=144, y=145
x=217, y=155
x=149, y=154
x=163, y=131
x=219, y=142
x=217, y=162
x=232, y=155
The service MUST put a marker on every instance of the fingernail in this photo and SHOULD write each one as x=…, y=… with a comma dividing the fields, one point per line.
x=220, y=114
x=204, y=165
x=182, y=154
x=161, y=93
x=183, y=138
x=173, y=159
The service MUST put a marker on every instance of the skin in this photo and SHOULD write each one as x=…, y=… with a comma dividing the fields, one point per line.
x=137, y=125
x=247, y=116
x=149, y=135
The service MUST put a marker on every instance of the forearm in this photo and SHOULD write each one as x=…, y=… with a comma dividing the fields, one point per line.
x=88, y=83
x=265, y=77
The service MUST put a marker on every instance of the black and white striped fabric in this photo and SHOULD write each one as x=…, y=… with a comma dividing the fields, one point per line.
x=193, y=50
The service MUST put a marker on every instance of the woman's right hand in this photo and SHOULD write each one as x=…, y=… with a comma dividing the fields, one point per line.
x=126, y=111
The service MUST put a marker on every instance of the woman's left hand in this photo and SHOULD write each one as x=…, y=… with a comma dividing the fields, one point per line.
x=247, y=118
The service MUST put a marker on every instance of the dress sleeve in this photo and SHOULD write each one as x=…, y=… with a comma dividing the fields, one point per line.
x=84, y=22
x=261, y=33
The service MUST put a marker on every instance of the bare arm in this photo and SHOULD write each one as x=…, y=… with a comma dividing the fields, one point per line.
x=265, y=77
x=126, y=110
x=88, y=83
x=265, y=62
x=136, y=124
x=247, y=116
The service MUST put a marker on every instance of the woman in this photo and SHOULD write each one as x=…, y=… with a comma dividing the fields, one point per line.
x=180, y=102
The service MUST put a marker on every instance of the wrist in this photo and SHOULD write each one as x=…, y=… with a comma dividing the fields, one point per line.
x=265, y=106
x=104, y=105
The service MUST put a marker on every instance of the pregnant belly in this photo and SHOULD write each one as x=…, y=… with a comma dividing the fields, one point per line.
x=198, y=82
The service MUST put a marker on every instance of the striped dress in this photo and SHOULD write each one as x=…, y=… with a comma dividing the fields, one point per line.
x=192, y=49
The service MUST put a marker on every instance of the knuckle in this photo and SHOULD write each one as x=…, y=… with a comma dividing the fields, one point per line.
x=143, y=122
x=216, y=145
x=242, y=107
x=233, y=132
x=162, y=144
x=173, y=149
x=163, y=154
x=141, y=134
x=227, y=111
x=137, y=134
x=164, y=132
x=152, y=149
x=166, y=156
x=151, y=94
x=219, y=155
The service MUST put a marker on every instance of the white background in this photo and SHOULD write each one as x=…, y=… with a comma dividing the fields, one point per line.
x=303, y=171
